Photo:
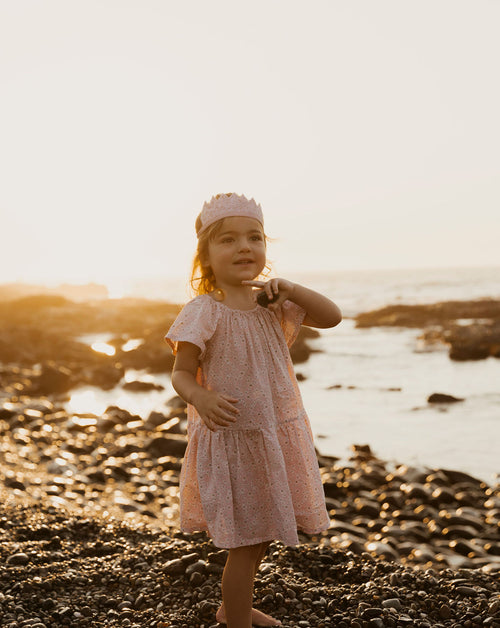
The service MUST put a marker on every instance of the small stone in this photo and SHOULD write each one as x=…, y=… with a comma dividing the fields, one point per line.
x=371, y=613
x=18, y=559
x=197, y=579
x=174, y=567
x=198, y=566
x=393, y=603
x=444, y=612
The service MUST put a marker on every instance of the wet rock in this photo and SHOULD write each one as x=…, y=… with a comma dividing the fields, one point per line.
x=443, y=398
x=470, y=328
x=301, y=350
x=140, y=386
x=155, y=419
x=119, y=415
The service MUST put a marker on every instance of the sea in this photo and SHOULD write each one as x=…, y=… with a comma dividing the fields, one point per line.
x=370, y=386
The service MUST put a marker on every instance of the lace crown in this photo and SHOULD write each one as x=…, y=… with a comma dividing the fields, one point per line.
x=225, y=205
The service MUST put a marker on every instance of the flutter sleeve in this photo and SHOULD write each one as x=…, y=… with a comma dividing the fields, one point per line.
x=291, y=317
x=195, y=323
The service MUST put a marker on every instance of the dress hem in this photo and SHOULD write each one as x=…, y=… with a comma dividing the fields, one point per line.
x=258, y=540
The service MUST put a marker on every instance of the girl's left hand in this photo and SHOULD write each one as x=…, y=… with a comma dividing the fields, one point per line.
x=283, y=287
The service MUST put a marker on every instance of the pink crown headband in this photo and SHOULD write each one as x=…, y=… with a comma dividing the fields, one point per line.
x=225, y=205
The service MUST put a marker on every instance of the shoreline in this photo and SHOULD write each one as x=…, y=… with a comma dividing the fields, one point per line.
x=54, y=347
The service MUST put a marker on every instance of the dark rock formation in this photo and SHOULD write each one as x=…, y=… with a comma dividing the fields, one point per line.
x=471, y=329
x=442, y=398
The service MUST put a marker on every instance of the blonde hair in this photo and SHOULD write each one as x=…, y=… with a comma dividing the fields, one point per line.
x=202, y=276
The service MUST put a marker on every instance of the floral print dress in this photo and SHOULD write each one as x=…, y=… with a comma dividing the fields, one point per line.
x=257, y=479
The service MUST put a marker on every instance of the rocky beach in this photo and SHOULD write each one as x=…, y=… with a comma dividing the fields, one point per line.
x=89, y=505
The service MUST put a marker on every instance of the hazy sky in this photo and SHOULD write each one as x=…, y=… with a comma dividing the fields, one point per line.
x=368, y=130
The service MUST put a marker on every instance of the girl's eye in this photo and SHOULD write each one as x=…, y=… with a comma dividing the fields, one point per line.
x=226, y=240
x=257, y=237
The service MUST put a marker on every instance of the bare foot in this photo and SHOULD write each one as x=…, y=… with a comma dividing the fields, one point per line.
x=258, y=618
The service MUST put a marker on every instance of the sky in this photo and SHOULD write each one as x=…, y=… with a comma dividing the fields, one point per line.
x=368, y=131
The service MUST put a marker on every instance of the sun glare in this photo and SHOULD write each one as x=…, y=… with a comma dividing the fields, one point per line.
x=103, y=347
x=86, y=401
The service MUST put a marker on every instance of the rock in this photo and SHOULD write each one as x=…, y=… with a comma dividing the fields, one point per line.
x=393, y=603
x=175, y=567
x=19, y=559
x=106, y=376
x=172, y=445
x=54, y=379
x=300, y=349
x=470, y=328
x=155, y=419
x=140, y=386
x=443, y=398
x=120, y=415
x=383, y=550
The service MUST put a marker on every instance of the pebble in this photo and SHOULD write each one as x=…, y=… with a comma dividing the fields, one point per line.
x=18, y=559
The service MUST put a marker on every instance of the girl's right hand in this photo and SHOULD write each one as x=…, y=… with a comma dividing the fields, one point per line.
x=215, y=408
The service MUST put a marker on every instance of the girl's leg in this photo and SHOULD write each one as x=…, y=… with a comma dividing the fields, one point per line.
x=237, y=585
x=257, y=617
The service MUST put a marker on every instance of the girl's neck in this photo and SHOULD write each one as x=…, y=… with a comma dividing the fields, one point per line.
x=235, y=297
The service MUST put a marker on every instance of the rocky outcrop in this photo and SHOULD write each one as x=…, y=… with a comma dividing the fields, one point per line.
x=471, y=329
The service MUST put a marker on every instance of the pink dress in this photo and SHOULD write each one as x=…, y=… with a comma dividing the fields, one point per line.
x=257, y=479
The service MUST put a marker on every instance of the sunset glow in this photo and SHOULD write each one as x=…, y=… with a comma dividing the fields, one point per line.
x=368, y=132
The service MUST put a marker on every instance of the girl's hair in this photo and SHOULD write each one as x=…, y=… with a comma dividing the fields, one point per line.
x=202, y=277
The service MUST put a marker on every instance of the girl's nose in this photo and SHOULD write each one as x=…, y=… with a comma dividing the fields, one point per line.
x=244, y=246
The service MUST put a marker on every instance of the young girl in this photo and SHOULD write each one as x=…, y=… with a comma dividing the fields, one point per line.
x=250, y=473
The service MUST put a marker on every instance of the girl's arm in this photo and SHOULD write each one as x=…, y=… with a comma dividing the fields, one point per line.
x=320, y=311
x=213, y=407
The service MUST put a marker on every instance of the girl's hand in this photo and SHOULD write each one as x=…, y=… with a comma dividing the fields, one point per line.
x=215, y=408
x=282, y=287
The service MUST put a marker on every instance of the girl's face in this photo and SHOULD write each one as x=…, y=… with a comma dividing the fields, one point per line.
x=238, y=251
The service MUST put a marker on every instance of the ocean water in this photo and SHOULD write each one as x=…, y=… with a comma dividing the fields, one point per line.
x=370, y=386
